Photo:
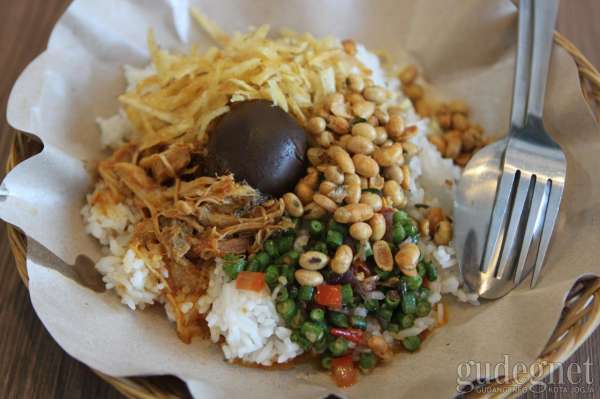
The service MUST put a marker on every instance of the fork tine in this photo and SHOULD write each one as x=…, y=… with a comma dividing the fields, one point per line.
x=556, y=191
x=537, y=209
x=497, y=221
x=522, y=183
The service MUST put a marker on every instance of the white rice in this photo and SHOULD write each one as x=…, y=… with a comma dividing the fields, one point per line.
x=215, y=285
x=252, y=329
x=124, y=269
x=132, y=279
x=360, y=311
x=371, y=61
x=388, y=337
x=373, y=326
x=135, y=75
x=106, y=219
x=116, y=129
x=434, y=298
x=445, y=256
x=433, y=172
x=421, y=324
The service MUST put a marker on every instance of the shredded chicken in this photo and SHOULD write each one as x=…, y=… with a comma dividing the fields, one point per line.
x=188, y=220
x=169, y=163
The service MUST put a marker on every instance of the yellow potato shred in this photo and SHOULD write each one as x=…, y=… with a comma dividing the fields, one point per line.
x=191, y=90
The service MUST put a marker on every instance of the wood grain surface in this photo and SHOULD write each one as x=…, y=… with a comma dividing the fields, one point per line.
x=32, y=365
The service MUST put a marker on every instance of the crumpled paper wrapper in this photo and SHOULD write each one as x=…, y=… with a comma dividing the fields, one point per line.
x=466, y=50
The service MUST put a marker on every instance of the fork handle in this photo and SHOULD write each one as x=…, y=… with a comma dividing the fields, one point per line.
x=522, y=63
x=544, y=20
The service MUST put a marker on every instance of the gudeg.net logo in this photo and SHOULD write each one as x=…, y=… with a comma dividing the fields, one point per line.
x=519, y=377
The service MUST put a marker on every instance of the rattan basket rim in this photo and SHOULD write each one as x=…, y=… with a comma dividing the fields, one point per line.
x=580, y=318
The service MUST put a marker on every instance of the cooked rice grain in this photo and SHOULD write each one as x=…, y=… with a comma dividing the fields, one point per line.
x=252, y=329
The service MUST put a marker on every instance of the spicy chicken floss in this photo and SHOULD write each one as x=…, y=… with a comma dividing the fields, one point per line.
x=280, y=196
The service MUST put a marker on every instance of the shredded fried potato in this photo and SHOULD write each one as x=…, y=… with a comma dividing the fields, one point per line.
x=191, y=90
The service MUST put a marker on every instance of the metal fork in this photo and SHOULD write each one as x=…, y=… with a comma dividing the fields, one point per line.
x=533, y=171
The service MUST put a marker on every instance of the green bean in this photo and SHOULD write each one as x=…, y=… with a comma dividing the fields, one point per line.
x=413, y=282
x=253, y=265
x=326, y=362
x=291, y=257
x=231, y=257
x=287, y=271
x=299, y=339
x=325, y=326
x=367, y=361
x=233, y=265
x=383, y=275
x=271, y=249
x=306, y=293
x=371, y=305
x=358, y=322
x=423, y=293
x=400, y=217
x=347, y=294
x=338, y=319
x=285, y=243
x=409, y=303
x=423, y=308
x=385, y=314
x=339, y=227
x=392, y=299
x=312, y=331
x=421, y=269
x=398, y=233
x=282, y=295
x=320, y=246
x=406, y=320
x=412, y=231
x=334, y=238
x=402, y=287
x=286, y=308
x=338, y=347
x=317, y=314
x=271, y=274
x=263, y=259
x=315, y=228
x=293, y=291
x=298, y=319
x=320, y=346
x=411, y=343
x=393, y=327
x=432, y=273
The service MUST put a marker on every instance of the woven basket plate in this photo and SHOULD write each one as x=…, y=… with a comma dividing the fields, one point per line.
x=580, y=317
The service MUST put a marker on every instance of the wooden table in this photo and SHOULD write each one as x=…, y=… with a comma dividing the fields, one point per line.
x=32, y=365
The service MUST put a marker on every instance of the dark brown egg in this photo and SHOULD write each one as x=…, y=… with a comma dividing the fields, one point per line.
x=259, y=143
